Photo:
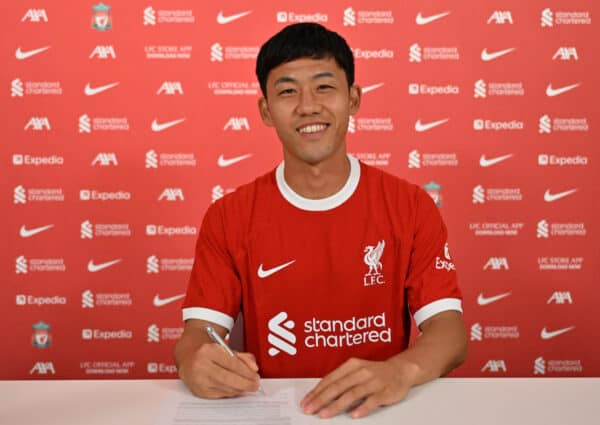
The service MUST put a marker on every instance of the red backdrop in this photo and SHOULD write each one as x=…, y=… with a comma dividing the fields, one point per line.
x=123, y=122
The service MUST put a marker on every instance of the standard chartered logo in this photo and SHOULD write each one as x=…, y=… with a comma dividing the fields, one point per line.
x=216, y=53
x=280, y=337
x=349, y=17
x=480, y=89
x=152, y=265
x=415, y=53
x=545, y=125
x=16, y=88
x=153, y=333
x=478, y=194
x=20, y=195
x=85, y=124
x=414, y=159
x=351, y=125
x=21, y=265
x=539, y=366
x=87, y=230
x=543, y=229
x=149, y=16
x=151, y=159
x=217, y=193
x=476, y=332
x=547, y=18
x=87, y=299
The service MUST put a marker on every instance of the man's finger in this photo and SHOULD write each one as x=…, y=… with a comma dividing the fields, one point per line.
x=225, y=378
x=233, y=364
x=249, y=360
x=346, y=368
x=348, y=399
x=366, y=407
x=336, y=389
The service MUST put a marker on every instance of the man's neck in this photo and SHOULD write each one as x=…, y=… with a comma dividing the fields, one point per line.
x=317, y=181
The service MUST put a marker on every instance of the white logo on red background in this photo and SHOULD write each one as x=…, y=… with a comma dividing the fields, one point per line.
x=35, y=15
x=172, y=194
x=280, y=337
x=103, y=52
x=25, y=54
x=372, y=259
x=227, y=19
x=170, y=88
x=501, y=17
x=495, y=366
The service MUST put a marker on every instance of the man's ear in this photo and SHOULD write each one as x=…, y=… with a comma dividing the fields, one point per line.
x=355, y=97
x=265, y=114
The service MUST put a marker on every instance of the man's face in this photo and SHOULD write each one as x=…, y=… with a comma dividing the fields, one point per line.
x=309, y=103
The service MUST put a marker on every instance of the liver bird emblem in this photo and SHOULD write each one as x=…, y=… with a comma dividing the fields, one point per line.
x=372, y=257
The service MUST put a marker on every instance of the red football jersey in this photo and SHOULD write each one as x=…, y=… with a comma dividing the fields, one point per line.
x=320, y=281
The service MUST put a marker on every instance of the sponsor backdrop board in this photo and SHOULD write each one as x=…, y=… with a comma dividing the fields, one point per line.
x=122, y=122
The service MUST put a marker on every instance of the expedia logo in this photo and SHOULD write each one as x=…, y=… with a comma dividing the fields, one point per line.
x=280, y=337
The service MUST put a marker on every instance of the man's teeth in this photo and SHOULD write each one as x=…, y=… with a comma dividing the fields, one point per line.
x=315, y=128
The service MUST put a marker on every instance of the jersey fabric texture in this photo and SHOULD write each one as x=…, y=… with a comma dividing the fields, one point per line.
x=320, y=281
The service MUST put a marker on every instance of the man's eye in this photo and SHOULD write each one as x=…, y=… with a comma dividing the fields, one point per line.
x=286, y=91
x=325, y=87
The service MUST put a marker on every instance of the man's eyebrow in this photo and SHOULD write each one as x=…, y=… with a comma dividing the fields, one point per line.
x=324, y=74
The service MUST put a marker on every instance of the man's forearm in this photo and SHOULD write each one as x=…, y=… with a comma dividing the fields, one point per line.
x=440, y=348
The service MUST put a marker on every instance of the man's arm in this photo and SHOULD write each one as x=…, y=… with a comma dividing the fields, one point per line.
x=440, y=348
x=207, y=369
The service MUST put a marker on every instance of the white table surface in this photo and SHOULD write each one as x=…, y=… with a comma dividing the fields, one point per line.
x=464, y=401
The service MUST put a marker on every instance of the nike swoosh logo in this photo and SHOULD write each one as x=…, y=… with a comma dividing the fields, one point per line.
x=489, y=162
x=93, y=268
x=156, y=127
x=266, y=273
x=19, y=54
x=221, y=19
x=89, y=91
x=28, y=233
x=551, y=92
x=545, y=334
x=424, y=127
x=481, y=300
x=420, y=20
x=486, y=57
x=371, y=88
x=159, y=302
x=227, y=162
x=548, y=197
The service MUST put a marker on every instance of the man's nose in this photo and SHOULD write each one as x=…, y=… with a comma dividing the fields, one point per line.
x=308, y=103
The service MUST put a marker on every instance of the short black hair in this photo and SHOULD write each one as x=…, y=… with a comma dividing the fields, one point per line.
x=304, y=40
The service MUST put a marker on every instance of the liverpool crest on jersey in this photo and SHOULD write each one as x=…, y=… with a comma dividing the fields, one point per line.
x=372, y=259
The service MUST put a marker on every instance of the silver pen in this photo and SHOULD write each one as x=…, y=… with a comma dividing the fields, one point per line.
x=216, y=338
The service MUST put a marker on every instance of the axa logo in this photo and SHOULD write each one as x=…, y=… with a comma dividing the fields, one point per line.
x=501, y=17
x=35, y=15
x=372, y=259
x=105, y=159
x=237, y=124
x=566, y=54
x=496, y=263
x=172, y=194
x=43, y=368
x=170, y=88
x=280, y=336
x=560, y=297
x=495, y=366
x=103, y=52
x=38, y=124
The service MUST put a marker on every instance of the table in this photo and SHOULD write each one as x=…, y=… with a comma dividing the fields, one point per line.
x=447, y=401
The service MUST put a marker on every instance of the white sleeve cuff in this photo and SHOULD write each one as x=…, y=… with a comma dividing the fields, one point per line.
x=209, y=315
x=436, y=307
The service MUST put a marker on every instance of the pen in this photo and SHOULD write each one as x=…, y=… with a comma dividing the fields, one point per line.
x=215, y=337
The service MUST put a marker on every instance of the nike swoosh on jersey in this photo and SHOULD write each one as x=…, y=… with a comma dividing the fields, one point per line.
x=421, y=20
x=484, y=162
x=481, y=300
x=156, y=127
x=93, y=268
x=371, y=88
x=551, y=92
x=25, y=233
x=89, y=91
x=19, y=54
x=266, y=273
x=222, y=19
x=486, y=57
x=545, y=334
x=159, y=302
x=424, y=127
x=227, y=162
x=549, y=197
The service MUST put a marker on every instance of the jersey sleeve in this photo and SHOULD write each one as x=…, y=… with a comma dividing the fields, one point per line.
x=431, y=283
x=214, y=289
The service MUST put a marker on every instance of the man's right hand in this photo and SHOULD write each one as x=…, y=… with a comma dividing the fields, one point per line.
x=208, y=370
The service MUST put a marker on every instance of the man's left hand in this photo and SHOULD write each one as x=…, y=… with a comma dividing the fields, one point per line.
x=362, y=384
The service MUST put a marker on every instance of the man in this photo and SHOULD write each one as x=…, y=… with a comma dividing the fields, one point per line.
x=326, y=257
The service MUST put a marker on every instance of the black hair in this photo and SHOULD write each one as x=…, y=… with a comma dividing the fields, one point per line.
x=304, y=40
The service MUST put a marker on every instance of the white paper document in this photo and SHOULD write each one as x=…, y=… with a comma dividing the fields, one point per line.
x=274, y=408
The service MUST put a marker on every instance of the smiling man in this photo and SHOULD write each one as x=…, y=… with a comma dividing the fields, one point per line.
x=327, y=258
